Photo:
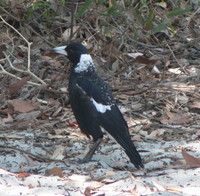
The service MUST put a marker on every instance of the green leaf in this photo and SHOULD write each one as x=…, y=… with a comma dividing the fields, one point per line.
x=112, y=10
x=178, y=11
x=102, y=1
x=160, y=27
x=149, y=20
x=85, y=7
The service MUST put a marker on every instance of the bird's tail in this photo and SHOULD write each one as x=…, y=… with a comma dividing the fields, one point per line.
x=130, y=150
x=114, y=123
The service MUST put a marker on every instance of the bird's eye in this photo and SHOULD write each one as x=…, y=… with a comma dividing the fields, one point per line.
x=70, y=50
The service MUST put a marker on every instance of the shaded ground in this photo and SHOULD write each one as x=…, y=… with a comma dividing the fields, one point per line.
x=158, y=93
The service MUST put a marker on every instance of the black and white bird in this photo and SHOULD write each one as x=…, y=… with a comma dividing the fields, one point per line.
x=93, y=104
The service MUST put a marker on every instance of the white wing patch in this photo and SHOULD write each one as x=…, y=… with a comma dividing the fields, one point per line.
x=100, y=107
x=85, y=62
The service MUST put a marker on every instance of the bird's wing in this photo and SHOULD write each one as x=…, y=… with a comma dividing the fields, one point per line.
x=97, y=90
x=87, y=102
x=100, y=98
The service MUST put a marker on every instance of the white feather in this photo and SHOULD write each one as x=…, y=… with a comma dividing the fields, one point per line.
x=100, y=107
x=85, y=62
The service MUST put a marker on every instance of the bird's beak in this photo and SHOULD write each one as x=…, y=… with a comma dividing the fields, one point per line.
x=60, y=50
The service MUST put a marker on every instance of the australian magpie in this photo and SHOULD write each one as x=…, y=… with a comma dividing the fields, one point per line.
x=93, y=104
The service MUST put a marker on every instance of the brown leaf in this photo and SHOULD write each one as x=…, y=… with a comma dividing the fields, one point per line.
x=56, y=77
x=24, y=124
x=56, y=171
x=54, y=63
x=8, y=110
x=195, y=105
x=144, y=60
x=174, y=118
x=88, y=190
x=6, y=120
x=17, y=85
x=21, y=105
x=67, y=33
x=190, y=160
x=23, y=175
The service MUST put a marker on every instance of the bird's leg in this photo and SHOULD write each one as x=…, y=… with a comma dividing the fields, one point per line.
x=89, y=155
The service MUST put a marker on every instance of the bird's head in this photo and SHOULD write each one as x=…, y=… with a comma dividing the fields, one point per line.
x=73, y=51
x=78, y=55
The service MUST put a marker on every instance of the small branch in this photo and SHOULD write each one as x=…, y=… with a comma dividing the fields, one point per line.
x=28, y=43
x=29, y=58
x=72, y=19
x=15, y=30
x=39, y=157
x=23, y=71
x=14, y=76
x=182, y=68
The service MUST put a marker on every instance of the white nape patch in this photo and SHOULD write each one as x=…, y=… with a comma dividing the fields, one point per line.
x=85, y=62
x=100, y=107
x=60, y=50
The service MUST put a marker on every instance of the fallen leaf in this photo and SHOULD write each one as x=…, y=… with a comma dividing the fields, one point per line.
x=17, y=85
x=8, y=110
x=156, y=133
x=184, y=87
x=158, y=186
x=56, y=171
x=116, y=66
x=88, y=190
x=9, y=119
x=24, y=124
x=198, y=133
x=174, y=118
x=56, y=77
x=195, y=105
x=144, y=60
x=54, y=63
x=21, y=105
x=23, y=175
x=155, y=70
x=190, y=160
x=174, y=190
x=30, y=186
x=67, y=33
x=28, y=116
x=58, y=153
x=134, y=55
x=45, y=58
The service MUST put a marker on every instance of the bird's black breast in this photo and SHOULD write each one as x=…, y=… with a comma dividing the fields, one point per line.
x=82, y=90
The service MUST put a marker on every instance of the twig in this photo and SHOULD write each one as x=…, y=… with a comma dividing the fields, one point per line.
x=182, y=68
x=39, y=157
x=14, y=76
x=23, y=71
x=28, y=43
x=29, y=57
x=72, y=20
x=192, y=16
x=36, y=33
